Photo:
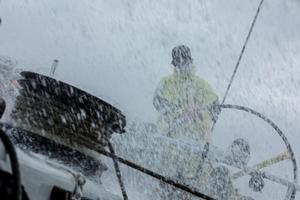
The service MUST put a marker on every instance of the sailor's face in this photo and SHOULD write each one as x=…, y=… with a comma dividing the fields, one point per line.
x=181, y=64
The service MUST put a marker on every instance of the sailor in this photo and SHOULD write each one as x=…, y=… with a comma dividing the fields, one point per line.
x=188, y=107
x=187, y=104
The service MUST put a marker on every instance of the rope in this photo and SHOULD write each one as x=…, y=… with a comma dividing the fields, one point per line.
x=206, y=146
x=242, y=52
x=162, y=178
x=118, y=171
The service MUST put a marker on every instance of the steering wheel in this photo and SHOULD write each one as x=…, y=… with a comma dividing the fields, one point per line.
x=257, y=177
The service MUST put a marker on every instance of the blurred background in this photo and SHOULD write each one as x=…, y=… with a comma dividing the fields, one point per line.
x=118, y=50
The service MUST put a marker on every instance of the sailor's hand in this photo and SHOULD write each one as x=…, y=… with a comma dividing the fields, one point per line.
x=215, y=110
x=216, y=107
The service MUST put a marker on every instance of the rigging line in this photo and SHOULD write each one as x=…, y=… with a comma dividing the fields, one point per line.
x=242, y=52
x=155, y=175
x=118, y=171
x=206, y=146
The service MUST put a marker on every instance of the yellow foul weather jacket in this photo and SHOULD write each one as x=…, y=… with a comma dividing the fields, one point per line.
x=184, y=103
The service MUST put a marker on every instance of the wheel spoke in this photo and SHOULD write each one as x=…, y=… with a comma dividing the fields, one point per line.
x=276, y=159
